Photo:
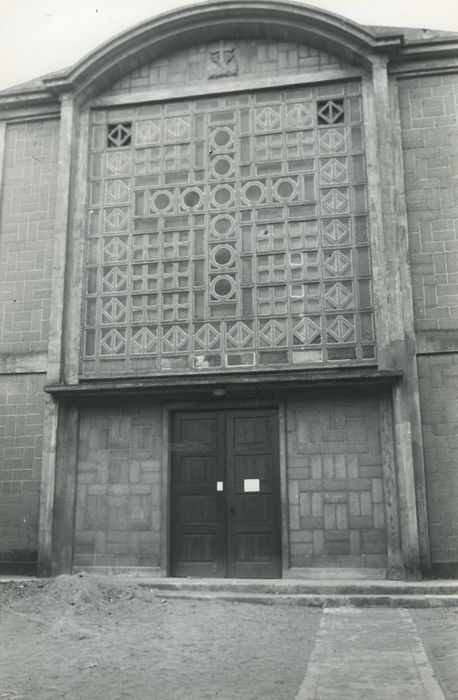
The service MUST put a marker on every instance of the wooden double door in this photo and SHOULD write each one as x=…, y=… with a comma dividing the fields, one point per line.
x=225, y=494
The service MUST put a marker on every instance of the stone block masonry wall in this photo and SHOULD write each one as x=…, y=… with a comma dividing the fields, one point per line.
x=439, y=401
x=252, y=58
x=429, y=119
x=336, y=497
x=21, y=428
x=118, y=510
x=27, y=235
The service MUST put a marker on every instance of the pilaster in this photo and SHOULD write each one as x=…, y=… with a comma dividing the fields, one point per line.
x=2, y=152
x=72, y=336
x=54, y=373
x=396, y=331
x=411, y=381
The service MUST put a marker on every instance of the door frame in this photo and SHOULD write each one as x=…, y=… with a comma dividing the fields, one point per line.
x=166, y=492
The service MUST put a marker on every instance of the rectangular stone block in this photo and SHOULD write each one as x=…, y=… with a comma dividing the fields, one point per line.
x=311, y=523
x=335, y=497
x=354, y=537
x=293, y=490
x=294, y=517
x=341, y=517
x=317, y=504
x=298, y=472
x=337, y=547
x=95, y=513
x=335, y=536
x=305, y=502
x=299, y=549
x=379, y=516
x=330, y=519
x=360, y=522
x=140, y=525
x=139, y=489
x=117, y=537
x=83, y=560
x=118, y=518
x=301, y=536
x=118, y=490
x=373, y=542
x=374, y=561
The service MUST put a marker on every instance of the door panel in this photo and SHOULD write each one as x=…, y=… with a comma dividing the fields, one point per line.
x=251, y=430
x=254, y=525
x=235, y=531
x=198, y=520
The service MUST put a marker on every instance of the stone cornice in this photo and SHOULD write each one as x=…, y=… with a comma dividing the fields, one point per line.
x=231, y=381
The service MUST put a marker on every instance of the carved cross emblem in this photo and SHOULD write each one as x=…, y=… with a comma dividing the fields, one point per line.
x=222, y=61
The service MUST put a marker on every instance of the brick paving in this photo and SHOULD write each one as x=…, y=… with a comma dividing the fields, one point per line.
x=438, y=630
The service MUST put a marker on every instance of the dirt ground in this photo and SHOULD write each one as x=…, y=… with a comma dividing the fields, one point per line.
x=97, y=637
x=102, y=638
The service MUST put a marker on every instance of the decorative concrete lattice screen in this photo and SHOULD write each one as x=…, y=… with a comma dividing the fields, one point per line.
x=228, y=232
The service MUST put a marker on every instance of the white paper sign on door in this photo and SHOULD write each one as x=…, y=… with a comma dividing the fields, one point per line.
x=251, y=485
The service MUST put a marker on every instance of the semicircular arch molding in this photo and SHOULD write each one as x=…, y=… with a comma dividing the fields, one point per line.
x=215, y=21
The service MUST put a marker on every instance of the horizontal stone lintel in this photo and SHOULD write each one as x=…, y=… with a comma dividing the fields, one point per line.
x=437, y=341
x=259, y=381
x=239, y=84
x=23, y=363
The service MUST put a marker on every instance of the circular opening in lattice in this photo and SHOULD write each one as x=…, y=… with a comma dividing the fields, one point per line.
x=222, y=138
x=223, y=255
x=222, y=195
x=161, y=200
x=253, y=192
x=223, y=225
x=223, y=287
x=222, y=166
x=285, y=189
x=192, y=198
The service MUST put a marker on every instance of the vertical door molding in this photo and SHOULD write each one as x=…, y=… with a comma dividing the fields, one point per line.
x=166, y=494
x=283, y=457
x=65, y=490
x=406, y=483
x=390, y=487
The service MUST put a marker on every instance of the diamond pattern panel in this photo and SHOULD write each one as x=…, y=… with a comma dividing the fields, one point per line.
x=144, y=341
x=228, y=233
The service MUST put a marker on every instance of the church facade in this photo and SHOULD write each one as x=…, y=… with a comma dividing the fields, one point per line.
x=229, y=301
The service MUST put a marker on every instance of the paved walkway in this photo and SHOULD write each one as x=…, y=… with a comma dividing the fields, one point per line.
x=368, y=654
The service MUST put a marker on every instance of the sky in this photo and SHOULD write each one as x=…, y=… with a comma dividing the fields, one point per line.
x=42, y=36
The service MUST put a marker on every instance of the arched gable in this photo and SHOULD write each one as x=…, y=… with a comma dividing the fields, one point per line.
x=237, y=20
